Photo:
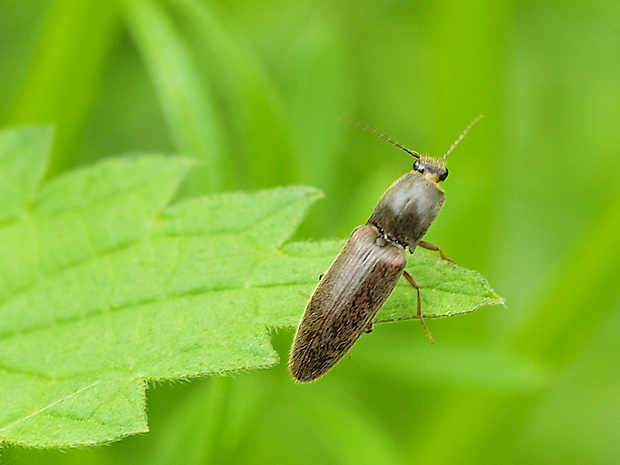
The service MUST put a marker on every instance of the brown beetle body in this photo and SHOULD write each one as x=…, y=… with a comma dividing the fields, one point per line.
x=363, y=276
x=365, y=272
x=345, y=301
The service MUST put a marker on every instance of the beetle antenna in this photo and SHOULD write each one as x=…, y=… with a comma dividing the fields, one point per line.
x=368, y=128
x=463, y=134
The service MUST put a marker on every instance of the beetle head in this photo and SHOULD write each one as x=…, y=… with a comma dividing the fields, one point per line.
x=433, y=169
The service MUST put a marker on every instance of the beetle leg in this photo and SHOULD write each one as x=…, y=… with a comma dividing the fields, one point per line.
x=369, y=327
x=429, y=246
x=413, y=283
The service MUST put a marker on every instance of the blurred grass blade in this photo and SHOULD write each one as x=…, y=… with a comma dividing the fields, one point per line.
x=468, y=35
x=192, y=434
x=580, y=295
x=65, y=74
x=320, y=93
x=319, y=96
x=186, y=100
x=256, y=126
x=342, y=429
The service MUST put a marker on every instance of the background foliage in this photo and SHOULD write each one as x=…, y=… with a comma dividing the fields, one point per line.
x=256, y=90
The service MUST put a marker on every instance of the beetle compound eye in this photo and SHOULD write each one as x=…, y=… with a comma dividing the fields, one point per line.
x=443, y=175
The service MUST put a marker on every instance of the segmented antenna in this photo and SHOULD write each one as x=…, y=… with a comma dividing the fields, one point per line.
x=368, y=128
x=463, y=134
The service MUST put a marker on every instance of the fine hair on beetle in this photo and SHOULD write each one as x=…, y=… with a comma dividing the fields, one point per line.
x=365, y=272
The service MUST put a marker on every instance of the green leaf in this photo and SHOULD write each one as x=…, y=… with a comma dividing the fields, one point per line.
x=446, y=289
x=104, y=285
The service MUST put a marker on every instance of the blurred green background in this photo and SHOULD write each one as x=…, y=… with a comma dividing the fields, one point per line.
x=256, y=89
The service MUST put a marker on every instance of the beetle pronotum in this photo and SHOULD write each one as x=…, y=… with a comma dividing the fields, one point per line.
x=367, y=269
